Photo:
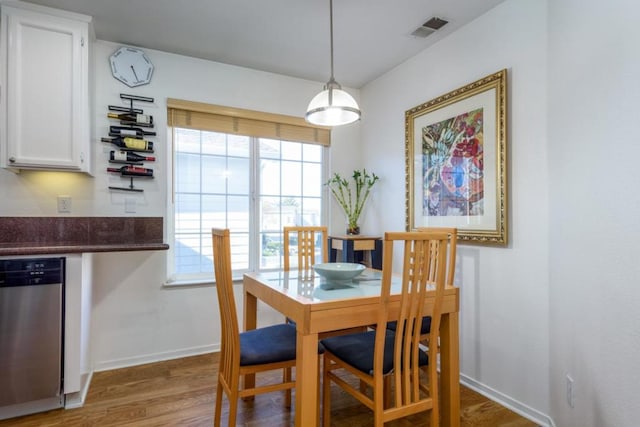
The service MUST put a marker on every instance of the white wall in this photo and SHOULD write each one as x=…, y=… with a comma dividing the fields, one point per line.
x=504, y=291
x=593, y=115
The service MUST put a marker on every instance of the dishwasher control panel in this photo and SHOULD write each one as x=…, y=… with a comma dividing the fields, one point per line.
x=31, y=271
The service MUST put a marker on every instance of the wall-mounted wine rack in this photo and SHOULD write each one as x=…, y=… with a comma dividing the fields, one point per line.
x=129, y=137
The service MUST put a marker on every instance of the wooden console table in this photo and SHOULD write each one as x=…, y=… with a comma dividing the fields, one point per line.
x=356, y=248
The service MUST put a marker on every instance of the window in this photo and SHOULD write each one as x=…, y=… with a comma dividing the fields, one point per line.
x=252, y=184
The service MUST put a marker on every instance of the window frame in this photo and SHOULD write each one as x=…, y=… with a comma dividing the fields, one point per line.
x=318, y=135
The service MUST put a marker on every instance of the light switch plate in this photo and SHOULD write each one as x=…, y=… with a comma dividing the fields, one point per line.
x=130, y=205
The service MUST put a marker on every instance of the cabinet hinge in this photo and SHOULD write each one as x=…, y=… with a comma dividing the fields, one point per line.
x=82, y=41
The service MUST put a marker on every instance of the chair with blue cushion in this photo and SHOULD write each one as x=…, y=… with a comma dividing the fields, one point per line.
x=306, y=251
x=425, y=326
x=307, y=236
x=386, y=360
x=250, y=352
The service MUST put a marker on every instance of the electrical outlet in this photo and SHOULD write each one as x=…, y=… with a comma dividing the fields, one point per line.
x=64, y=204
x=570, y=391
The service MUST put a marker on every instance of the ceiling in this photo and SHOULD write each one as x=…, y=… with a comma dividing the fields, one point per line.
x=289, y=37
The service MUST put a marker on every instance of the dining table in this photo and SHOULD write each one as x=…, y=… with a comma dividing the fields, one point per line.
x=319, y=306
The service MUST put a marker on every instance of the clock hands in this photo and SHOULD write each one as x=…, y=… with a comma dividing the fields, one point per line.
x=134, y=73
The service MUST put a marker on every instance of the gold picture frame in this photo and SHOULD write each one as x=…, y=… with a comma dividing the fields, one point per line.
x=456, y=162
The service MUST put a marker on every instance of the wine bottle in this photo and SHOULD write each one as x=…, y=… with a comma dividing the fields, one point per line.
x=129, y=131
x=132, y=117
x=132, y=171
x=142, y=125
x=131, y=143
x=128, y=156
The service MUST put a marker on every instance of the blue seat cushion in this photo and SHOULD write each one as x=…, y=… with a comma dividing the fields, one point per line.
x=357, y=350
x=270, y=344
x=424, y=329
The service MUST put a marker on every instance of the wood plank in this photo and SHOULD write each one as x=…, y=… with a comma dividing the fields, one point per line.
x=182, y=392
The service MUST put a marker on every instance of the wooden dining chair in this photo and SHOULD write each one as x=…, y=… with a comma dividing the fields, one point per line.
x=250, y=352
x=307, y=236
x=384, y=358
x=451, y=271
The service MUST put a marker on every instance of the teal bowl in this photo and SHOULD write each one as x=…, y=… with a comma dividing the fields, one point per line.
x=339, y=270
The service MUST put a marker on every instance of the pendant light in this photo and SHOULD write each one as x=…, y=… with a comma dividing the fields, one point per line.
x=333, y=106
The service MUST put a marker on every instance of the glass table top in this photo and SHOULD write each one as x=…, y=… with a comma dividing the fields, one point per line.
x=299, y=284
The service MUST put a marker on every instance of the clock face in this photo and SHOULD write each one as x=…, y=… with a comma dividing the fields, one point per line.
x=131, y=66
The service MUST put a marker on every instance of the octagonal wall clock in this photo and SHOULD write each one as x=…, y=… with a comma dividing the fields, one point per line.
x=131, y=66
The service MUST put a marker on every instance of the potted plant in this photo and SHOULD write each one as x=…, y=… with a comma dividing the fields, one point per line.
x=350, y=199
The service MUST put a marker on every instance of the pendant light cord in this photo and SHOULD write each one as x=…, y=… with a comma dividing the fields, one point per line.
x=333, y=106
x=331, y=35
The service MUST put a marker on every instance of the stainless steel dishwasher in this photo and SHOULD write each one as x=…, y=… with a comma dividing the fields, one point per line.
x=31, y=335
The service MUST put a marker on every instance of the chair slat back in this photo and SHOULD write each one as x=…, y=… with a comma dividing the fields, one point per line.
x=230, y=342
x=423, y=272
x=451, y=254
x=306, y=245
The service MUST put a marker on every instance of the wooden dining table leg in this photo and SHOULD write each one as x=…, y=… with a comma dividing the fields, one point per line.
x=250, y=322
x=450, y=370
x=307, y=382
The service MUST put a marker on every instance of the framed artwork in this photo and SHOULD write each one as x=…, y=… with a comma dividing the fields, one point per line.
x=456, y=162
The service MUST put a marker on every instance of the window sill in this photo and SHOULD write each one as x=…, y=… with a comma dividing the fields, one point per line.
x=195, y=283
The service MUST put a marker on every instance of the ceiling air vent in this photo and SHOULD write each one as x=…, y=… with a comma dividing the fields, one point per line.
x=429, y=27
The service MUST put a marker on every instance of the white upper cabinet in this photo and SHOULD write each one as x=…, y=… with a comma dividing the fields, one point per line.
x=45, y=94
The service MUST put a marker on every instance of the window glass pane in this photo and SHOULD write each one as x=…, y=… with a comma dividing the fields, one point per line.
x=189, y=258
x=238, y=213
x=270, y=250
x=312, y=153
x=214, y=143
x=311, y=211
x=312, y=180
x=291, y=150
x=269, y=148
x=291, y=211
x=238, y=145
x=187, y=172
x=187, y=215
x=214, y=174
x=269, y=177
x=238, y=175
x=206, y=253
x=214, y=212
x=270, y=220
x=188, y=141
x=239, y=251
x=291, y=178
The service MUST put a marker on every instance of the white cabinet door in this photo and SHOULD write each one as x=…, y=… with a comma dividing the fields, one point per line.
x=46, y=100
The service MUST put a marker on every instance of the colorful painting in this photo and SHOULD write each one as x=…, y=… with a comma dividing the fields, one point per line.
x=456, y=162
x=452, y=166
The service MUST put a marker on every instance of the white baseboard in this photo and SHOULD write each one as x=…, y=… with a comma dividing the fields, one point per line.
x=519, y=408
x=76, y=400
x=108, y=365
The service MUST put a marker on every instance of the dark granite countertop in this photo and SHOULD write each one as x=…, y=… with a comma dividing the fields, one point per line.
x=66, y=235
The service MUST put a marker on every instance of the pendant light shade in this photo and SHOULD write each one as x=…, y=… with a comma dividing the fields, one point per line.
x=333, y=106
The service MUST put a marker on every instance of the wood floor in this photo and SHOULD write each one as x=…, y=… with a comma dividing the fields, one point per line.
x=181, y=392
